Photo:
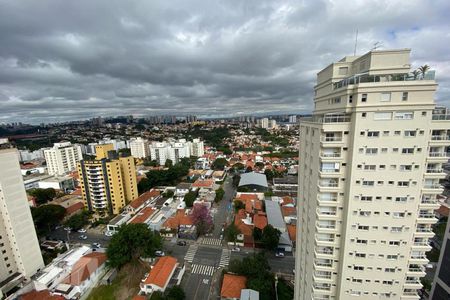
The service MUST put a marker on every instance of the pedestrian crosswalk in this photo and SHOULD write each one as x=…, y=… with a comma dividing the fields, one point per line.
x=202, y=269
x=224, y=258
x=191, y=253
x=211, y=241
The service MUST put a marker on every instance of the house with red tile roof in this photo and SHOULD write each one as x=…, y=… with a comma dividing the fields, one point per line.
x=40, y=295
x=143, y=216
x=142, y=201
x=74, y=209
x=232, y=286
x=203, y=183
x=292, y=230
x=180, y=221
x=260, y=220
x=86, y=271
x=159, y=276
x=289, y=214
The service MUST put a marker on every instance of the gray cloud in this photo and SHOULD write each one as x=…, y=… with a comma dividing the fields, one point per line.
x=68, y=60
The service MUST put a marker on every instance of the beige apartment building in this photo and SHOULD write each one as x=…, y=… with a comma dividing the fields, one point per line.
x=20, y=253
x=370, y=162
x=62, y=158
x=108, y=183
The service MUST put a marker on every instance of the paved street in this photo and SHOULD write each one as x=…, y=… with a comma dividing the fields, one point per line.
x=93, y=236
x=223, y=213
x=284, y=265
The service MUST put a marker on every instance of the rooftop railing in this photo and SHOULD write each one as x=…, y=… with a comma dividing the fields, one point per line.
x=366, y=78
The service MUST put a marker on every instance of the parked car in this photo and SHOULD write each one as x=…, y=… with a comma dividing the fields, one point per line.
x=83, y=237
x=279, y=254
x=181, y=243
x=96, y=245
x=109, y=233
x=82, y=230
x=159, y=253
x=67, y=229
x=236, y=249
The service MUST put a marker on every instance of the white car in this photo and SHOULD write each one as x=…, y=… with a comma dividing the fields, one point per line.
x=236, y=249
x=82, y=230
x=159, y=253
x=109, y=233
x=279, y=254
x=67, y=229
x=82, y=237
x=96, y=245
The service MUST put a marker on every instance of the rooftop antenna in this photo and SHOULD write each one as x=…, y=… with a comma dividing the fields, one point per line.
x=377, y=45
x=356, y=42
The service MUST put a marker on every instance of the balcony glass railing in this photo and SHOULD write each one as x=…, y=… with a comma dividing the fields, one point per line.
x=331, y=139
x=424, y=229
x=331, y=155
x=426, y=216
x=441, y=117
x=438, y=154
x=440, y=137
x=327, y=119
x=328, y=184
x=366, y=78
x=434, y=170
x=433, y=186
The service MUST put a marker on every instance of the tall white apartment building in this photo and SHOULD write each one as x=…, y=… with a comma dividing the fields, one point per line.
x=62, y=158
x=197, y=148
x=159, y=151
x=264, y=123
x=370, y=162
x=21, y=255
x=178, y=150
x=139, y=148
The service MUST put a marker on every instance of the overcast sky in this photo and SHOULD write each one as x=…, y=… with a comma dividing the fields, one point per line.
x=69, y=60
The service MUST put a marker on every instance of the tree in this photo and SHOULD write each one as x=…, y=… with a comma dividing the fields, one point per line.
x=47, y=216
x=175, y=293
x=423, y=70
x=189, y=198
x=238, y=204
x=231, y=233
x=269, y=174
x=219, y=195
x=150, y=163
x=285, y=292
x=220, y=164
x=238, y=166
x=415, y=74
x=131, y=242
x=202, y=219
x=270, y=237
x=77, y=221
x=157, y=295
x=249, y=169
x=43, y=195
x=168, y=194
x=236, y=180
x=257, y=234
x=168, y=164
x=257, y=270
x=259, y=164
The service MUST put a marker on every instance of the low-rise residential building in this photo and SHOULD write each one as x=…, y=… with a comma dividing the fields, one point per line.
x=143, y=200
x=182, y=189
x=62, y=183
x=232, y=285
x=159, y=276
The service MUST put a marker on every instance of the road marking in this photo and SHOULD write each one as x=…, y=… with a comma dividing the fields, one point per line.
x=211, y=241
x=202, y=269
x=224, y=258
x=190, y=254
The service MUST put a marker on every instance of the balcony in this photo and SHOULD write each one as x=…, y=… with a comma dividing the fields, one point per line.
x=331, y=155
x=413, y=284
x=326, y=214
x=438, y=156
x=330, y=173
x=433, y=188
x=331, y=186
x=325, y=242
x=327, y=119
x=416, y=270
x=331, y=141
x=333, y=201
x=418, y=259
x=426, y=218
x=324, y=228
x=424, y=232
x=431, y=203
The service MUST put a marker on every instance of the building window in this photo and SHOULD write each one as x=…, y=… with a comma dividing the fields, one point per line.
x=407, y=150
x=373, y=134
x=410, y=133
x=406, y=115
x=372, y=151
x=385, y=97
x=364, y=115
x=364, y=98
x=405, y=96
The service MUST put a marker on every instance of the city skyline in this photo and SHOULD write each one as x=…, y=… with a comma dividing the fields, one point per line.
x=211, y=60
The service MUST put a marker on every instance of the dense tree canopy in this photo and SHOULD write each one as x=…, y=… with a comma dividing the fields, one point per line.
x=238, y=204
x=171, y=176
x=219, y=195
x=131, y=242
x=46, y=217
x=220, y=164
x=270, y=237
x=43, y=195
x=189, y=198
x=257, y=270
x=79, y=220
x=231, y=233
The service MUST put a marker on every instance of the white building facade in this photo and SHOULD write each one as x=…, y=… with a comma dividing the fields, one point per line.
x=370, y=162
x=62, y=158
x=18, y=241
x=197, y=148
x=139, y=148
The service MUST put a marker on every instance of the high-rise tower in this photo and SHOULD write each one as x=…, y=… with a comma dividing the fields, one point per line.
x=370, y=162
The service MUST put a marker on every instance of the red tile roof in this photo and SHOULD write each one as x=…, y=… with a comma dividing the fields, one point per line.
x=143, y=215
x=232, y=286
x=443, y=211
x=180, y=218
x=244, y=197
x=260, y=221
x=84, y=267
x=287, y=200
x=74, y=208
x=138, y=297
x=41, y=295
x=243, y=228
x=206, y=183
x=139, y=201
x=288, y=211
x=160, y=273
x=292, y=229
